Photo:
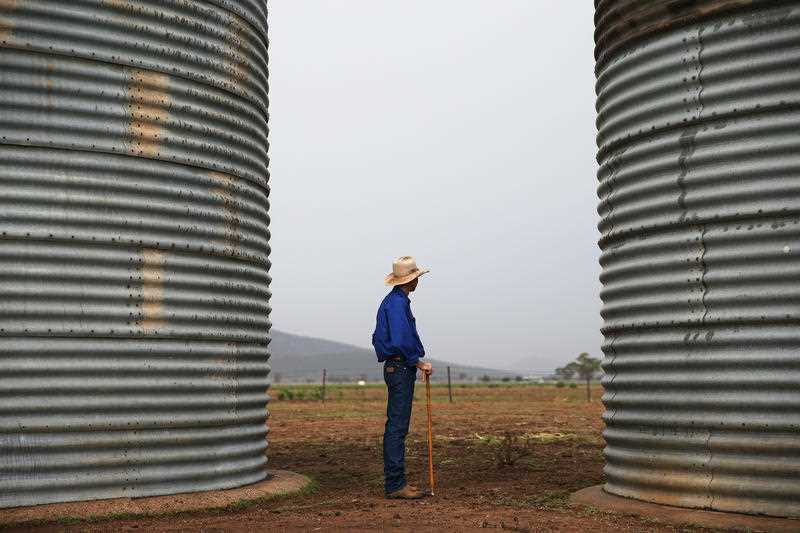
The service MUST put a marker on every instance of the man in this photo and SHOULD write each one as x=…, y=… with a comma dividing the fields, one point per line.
x=398, y=346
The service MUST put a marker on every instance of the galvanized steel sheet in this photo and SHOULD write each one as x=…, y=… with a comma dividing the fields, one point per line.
x=86, y=418
x=134, y=244
x=196, y=40
x=699, y=136
x=77, y=104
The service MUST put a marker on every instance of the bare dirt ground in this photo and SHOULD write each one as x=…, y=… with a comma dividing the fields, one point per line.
x=338, y=444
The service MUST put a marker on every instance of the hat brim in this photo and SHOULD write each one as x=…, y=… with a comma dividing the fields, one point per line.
x=391, y=279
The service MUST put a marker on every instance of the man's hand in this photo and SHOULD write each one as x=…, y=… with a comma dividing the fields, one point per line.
x=425, y=367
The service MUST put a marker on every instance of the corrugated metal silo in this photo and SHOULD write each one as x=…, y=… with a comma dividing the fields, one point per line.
x=134, y=282
x=698, y=108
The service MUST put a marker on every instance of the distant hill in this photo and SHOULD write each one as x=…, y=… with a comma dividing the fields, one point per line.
x=296, y=358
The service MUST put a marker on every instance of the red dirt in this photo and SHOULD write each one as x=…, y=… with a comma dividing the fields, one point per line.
x=597, y=497
x=338, y=444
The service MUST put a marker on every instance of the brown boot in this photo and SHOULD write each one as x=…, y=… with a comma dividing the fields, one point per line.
x=406, y=493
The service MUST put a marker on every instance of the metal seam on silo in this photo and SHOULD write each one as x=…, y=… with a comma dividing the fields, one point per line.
x=134, y=248
x=698, y=111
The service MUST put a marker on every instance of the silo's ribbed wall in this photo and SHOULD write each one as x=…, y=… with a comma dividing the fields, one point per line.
x=134, y=282
x=699, y=148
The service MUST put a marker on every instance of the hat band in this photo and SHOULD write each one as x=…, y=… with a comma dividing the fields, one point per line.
x=406, y=274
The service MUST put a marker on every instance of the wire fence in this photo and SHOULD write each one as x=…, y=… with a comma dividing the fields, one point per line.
x=375, y=373
x=309, y=388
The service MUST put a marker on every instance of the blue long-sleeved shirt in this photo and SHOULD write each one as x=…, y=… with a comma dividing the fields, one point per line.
x=396, y=330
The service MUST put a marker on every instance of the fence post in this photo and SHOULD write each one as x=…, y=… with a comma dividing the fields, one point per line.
x=449, y=385
x=324, y=375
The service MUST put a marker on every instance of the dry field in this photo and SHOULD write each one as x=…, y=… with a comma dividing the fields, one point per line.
x=556, y=449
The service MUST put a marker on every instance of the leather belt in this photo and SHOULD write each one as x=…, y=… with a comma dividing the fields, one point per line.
x=395, y=358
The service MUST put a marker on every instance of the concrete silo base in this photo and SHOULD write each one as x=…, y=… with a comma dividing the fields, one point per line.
x=281, y=483
x=598, y=498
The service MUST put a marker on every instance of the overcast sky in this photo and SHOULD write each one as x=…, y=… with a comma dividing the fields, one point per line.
x=457, y=131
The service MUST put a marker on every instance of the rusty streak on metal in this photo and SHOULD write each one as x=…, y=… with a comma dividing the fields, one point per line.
x=6, y=25
x=152, y=290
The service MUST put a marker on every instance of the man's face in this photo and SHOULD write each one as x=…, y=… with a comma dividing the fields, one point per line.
x=412, y=285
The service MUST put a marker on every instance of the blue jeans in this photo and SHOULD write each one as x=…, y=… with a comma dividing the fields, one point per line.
x=399, y=380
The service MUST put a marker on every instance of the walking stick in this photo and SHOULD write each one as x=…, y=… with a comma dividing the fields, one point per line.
x=430, y=430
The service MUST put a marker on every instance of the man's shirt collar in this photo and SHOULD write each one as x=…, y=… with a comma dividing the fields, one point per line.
x=397, y=289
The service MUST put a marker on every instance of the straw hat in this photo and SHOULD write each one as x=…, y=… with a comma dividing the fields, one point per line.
x=404, y=269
